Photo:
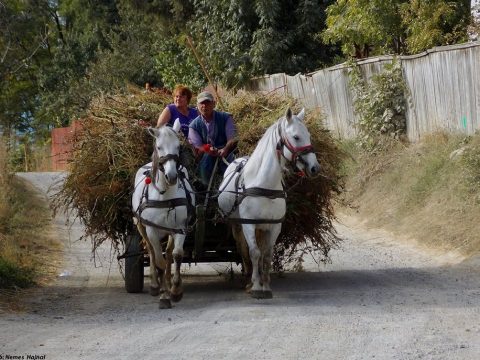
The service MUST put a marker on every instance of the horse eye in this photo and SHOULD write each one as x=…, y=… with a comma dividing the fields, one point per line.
x=296, y=137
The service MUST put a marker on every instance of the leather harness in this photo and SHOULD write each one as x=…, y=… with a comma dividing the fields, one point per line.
x=165, y=204
x=297, y=152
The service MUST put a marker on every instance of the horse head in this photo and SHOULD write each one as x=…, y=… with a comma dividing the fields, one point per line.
x=166, y=152
x=297, y=147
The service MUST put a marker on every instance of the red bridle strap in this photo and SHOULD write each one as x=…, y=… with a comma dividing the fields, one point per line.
x=297, y=150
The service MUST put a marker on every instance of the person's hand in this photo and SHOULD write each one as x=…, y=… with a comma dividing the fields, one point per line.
x=223, y=152
x=143, y=123
x=209, y=149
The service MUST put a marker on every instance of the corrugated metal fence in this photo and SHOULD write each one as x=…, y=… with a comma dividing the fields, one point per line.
x=443, y=83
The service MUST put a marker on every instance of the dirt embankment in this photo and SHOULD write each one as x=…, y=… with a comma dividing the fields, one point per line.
x=428, y=193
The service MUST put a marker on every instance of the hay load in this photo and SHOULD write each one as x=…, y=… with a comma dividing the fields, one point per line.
x=113, y=144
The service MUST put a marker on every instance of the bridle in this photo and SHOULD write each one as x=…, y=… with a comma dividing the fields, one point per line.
x=163, y=159
x=158, y=163
x=296, y=151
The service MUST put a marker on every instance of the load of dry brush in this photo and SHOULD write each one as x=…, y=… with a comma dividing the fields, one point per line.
x=113, y=144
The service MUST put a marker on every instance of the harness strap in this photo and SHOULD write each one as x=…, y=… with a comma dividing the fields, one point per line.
x=162, y=204
x=190, y=207
x=257, y=192
x=262, y=192
x=256, y=221
x=253, y=192
x=152, y=224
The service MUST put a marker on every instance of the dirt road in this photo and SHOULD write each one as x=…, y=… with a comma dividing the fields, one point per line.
x=379, y=299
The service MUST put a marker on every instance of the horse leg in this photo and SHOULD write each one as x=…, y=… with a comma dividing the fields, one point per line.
x=270, y=238
x=154, y=285
x=254, y=252
x=165, y=302
x=177, y=289
x=169, y=256
x=242, y=248
x=159, y=265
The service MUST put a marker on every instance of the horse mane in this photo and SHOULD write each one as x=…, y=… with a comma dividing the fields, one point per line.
x=267, y=143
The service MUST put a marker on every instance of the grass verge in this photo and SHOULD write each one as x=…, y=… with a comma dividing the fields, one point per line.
x=428, y=191
x=29, y=252
x=28, y=249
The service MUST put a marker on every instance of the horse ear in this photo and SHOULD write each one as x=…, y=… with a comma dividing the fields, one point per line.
x=288, y=114
x=176, y=125
x=152, y=131
x=301, y=114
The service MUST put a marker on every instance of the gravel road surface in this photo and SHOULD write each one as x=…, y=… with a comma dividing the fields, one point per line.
x=380, y=298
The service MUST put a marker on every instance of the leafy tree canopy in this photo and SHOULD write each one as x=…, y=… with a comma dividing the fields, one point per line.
x=371, y=27
x=56, y=55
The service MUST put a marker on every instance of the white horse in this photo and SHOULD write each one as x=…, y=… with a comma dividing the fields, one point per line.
x=160, y=202
x=252, y=195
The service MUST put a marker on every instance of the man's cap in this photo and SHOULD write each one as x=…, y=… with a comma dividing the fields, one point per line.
x=205, y=96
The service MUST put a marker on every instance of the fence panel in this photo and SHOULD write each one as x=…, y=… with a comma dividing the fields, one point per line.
x=444, y=90
x=443, y=85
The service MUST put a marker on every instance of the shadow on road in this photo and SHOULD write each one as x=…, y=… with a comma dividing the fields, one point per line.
x=444, y=286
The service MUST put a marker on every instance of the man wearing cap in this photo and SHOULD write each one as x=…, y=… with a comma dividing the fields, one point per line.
x=213, y=134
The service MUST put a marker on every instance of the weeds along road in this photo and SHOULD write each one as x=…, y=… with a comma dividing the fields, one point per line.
x=378, y=299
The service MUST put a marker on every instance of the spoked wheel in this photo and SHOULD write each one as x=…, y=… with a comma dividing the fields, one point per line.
x=134, y=264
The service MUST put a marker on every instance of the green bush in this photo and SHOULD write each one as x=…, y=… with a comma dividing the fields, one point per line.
x=12, y=276
x=380, y=104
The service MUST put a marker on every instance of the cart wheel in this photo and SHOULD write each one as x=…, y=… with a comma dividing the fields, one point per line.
x=134, y=264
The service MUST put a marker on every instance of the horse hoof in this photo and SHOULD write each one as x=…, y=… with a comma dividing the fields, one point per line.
x=176, y=297
x=154, y=291
x=267, y=294
x=257, y=294
x=165, y=304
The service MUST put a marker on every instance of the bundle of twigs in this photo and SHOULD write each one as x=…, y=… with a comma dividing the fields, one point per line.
x=113, y=144
x=107, y=152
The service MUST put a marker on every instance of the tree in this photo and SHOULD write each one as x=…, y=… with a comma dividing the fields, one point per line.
x=373, y=27
x=83, y=30
x=434, y=23
x=239, y=39
x=365, y=27
x=25, y=35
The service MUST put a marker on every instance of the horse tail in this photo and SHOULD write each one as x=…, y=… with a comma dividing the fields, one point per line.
x=242, y=248
x=261, y=240
x=153, y=255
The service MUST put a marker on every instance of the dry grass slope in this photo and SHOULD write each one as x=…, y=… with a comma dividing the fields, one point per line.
x=28, y=250
x=429, y=191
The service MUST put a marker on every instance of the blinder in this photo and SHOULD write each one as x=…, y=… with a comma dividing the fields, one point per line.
x=163, y=159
